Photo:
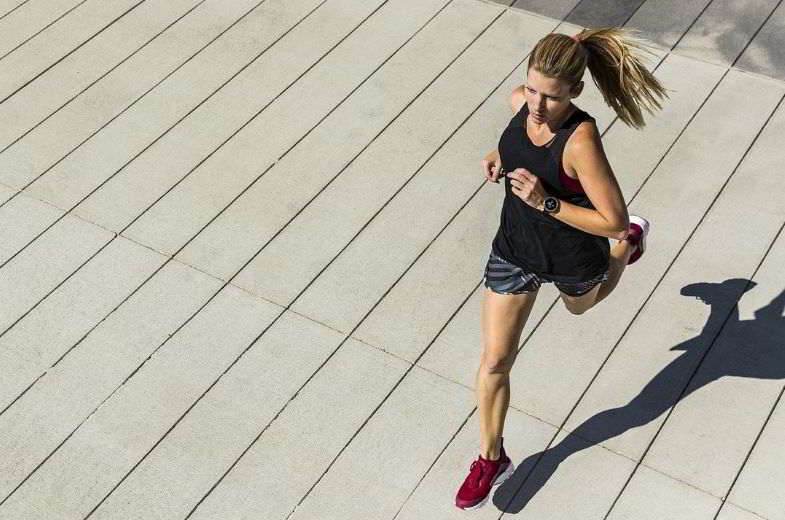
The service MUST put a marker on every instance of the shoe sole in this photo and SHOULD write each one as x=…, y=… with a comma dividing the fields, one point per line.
x=507, y=473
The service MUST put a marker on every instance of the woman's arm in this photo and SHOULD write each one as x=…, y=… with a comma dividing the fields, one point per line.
x=585, y=155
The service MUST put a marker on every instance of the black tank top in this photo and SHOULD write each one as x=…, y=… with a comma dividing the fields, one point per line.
x=531, y=239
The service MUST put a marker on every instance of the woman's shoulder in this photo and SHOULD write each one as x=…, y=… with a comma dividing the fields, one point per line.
x=584, y=139
x=517, y=99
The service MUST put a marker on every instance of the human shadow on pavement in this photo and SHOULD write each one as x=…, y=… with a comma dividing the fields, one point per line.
x=749, y=348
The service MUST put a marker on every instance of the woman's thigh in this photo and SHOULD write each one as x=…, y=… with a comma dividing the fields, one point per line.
x=502, y=320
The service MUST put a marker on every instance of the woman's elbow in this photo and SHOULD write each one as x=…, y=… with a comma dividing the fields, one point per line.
x=621, y=230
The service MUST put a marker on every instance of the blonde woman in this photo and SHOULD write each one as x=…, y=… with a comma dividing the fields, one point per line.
x=562, y=203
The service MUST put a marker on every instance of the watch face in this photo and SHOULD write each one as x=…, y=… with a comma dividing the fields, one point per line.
x=551, y=204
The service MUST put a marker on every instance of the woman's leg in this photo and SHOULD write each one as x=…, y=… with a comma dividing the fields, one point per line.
x=620, y=255
x=502, y=319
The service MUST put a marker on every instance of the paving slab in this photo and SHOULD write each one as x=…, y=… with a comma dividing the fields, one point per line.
x=32, y=274
x=397, y=445
x=58, y=403
x=8, y=6
x=66, y=150
x=6, y=192
x=140, y=184
x=759, y=486
x=88, y=89
x=101, y=452
x=76, y=72
x=723, y=31
x=765, y=53
x=723, y=407
x=180, y=215
x=572, y=479
x=21, y=219
x=603, y=13
x=238, y=233
x=218, y=430
x=652, y=496
x=29, y=20
x=666, y=30
x=358, y=374
x=557, y=9
x=39, y=54
x=38, y=340
x=174, y=156
x=732, y=512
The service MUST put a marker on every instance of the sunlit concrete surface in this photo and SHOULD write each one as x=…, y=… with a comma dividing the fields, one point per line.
x=242, y=245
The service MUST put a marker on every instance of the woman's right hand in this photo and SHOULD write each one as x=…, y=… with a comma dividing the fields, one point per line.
x=491, y=166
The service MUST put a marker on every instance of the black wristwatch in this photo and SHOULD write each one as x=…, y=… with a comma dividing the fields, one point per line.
x=551, y=205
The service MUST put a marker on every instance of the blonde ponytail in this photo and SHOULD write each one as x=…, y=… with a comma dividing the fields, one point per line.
x=612, y=55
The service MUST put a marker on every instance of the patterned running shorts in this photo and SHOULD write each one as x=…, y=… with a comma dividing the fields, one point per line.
x=502, y=277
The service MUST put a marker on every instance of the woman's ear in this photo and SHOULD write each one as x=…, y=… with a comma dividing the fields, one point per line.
x=576, y=90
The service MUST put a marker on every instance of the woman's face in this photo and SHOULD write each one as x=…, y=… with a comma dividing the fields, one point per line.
x=548, y=98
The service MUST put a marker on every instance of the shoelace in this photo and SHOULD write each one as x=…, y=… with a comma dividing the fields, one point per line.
x=477, y=475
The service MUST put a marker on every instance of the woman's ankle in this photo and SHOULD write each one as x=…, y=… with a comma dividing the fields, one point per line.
x=491, y=450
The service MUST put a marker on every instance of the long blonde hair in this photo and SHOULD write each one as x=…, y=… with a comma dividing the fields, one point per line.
x=611, y=53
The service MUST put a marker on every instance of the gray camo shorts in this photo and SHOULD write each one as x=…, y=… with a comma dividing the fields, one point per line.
x=502, y=277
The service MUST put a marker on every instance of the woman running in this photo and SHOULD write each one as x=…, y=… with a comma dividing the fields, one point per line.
x=562, y=203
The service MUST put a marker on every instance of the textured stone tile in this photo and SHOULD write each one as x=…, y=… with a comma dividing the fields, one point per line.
x=21, y=219
x=252, y=220
x=731, y=395
x=392, y=452
x=723, y=31
x=61, y=38
x=150, y=175
x=603, y=13
x=65, y=316
x=652, y=495
x=31, y=275
x=29, y=19
x=38, y=422
x=80, y=161
x=759, y=486
x=128, y=425
x=75, y=73
x=217, y=431
x=765, y=54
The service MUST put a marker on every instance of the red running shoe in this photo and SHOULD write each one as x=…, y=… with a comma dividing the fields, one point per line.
x=639, y=228
x=483, y=475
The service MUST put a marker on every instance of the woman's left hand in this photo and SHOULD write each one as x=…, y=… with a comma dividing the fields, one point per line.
x=527, y=187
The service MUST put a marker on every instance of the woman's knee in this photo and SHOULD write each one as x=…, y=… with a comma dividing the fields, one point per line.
x=576, y=308
x=498, y=361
